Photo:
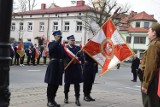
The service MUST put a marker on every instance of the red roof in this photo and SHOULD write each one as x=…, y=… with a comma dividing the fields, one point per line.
x=135, y=30
x=57, y=10
x=144, y=16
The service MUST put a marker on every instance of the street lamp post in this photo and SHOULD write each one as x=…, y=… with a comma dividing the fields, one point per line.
x=5, y=21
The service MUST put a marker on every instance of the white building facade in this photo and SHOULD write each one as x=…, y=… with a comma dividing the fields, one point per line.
x=32, y=24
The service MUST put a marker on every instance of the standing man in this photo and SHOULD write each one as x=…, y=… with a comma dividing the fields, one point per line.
x=90, y=68
x=29, y=54
x=16, y=60
x=33, y=55
x=55, y=69
x=73, y=74
x=134, y=67
x=151, y=68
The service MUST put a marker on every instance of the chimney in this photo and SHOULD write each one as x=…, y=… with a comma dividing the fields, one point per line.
x=80, y=3
x=43, y=6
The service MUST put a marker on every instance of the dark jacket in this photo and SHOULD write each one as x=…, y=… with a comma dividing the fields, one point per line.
x=55, y=68
x=73, y=74
x=135, y=64
x=90, y=68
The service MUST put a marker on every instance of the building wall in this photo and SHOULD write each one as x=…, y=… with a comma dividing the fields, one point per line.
x=48, y=26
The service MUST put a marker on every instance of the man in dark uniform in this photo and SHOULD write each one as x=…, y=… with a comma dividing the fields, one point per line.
x=134, y=67
x=73, y=74
x=55, y=68
x=90, y=68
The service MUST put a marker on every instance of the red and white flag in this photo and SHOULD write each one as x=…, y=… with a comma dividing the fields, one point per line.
x=71, y=55
x=42, y=37
x=107, y=47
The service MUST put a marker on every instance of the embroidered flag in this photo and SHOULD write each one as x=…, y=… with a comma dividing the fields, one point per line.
x=107, y=47
x=71, y=55
x=20, y=48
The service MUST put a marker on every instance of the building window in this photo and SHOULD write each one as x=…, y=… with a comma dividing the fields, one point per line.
x=13, y=26
x=55, y=26
x=140, y=40
x=21, y=26
x=30, y=26
x=146, y=24
x=137, y=24
x=66, y=26
x=41, y=26
x=128, y=39
x=79, y=26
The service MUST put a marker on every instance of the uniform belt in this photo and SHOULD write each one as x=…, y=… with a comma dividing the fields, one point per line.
x=60, y=60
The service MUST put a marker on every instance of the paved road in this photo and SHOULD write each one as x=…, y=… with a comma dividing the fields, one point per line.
x=113, y=89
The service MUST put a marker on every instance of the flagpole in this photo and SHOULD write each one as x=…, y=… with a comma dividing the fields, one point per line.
x=86, y=43
x=73, y=59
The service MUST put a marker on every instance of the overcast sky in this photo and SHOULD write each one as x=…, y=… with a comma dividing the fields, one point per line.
x=149, y=6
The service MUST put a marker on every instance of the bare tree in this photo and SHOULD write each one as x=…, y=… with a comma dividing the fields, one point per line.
x=22, y=5
x=25, y=5
x=101, y=11
x=31, y=4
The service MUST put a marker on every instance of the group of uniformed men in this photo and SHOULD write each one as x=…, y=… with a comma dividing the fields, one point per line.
x=75, y=73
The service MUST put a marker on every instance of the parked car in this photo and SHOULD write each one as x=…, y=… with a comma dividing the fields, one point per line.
x=26, y=44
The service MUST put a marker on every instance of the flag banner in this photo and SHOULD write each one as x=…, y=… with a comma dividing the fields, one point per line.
x=20, y=49
x=107, y=47
x=71, y=55
x=159, y=84
x=37, y=53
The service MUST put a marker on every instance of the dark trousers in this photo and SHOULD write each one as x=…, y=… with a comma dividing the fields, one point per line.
x=151, y=99
x=87, y=87
x=38, y=59
x=76, y=89
x=16, y=60
x=22, y=59
x=44, y=60
x=28, y=60
x=134, y=74
x=33, y=59
x=51, y=92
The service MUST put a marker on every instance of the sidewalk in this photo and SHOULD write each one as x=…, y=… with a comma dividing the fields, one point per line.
x=36, y=97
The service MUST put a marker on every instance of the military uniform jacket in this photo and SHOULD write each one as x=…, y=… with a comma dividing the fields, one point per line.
x=151, y=63
x=90, y=68
x=55, y=68
x=73, y=74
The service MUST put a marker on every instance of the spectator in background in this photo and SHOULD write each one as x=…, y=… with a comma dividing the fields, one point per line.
x=12, y=53
x=16, y=60
x=29, y=54
x=22, y=60
x=33, y=54
x=134, y=67
x=45, y=54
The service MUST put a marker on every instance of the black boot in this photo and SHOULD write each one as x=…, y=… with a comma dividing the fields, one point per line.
x=66, y=99
x=86, y=98
x=50, y=102
x=77, y=102
x=55, y=103
x=91, y=99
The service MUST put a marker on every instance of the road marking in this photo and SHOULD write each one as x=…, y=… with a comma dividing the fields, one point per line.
x=137, y=86
x=33, y=70
x=132, y=88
